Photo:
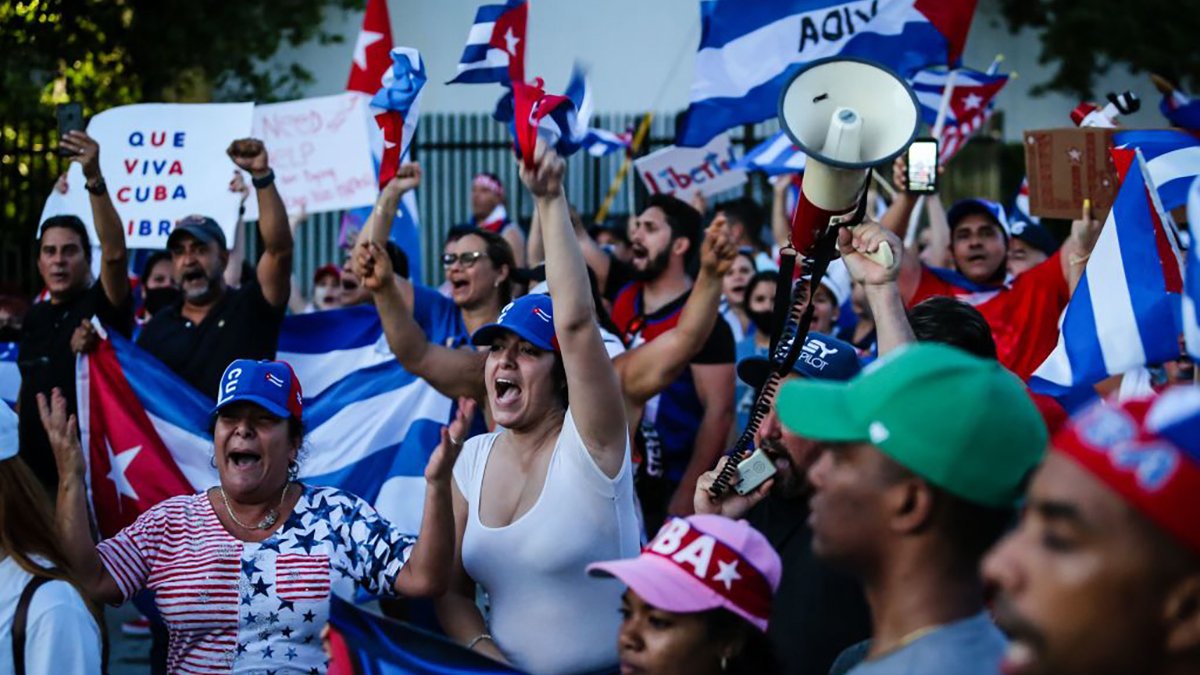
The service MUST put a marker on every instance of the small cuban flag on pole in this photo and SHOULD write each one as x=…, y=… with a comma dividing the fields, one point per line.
x=495, y=50
x=396, y=107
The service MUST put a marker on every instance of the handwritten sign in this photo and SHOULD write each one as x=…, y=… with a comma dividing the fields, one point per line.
x=320, y=153
x=682, y=172
x=162, y=162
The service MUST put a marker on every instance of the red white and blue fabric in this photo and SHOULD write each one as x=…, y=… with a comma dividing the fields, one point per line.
x=1148, y=452
x=562, y=121
x=1125, y=312
x=601, y=142
x=236, y=606
x=397, y=107
x=972, y=102
x=775, y=156
x=495, y=50
x=1020, y=209
x=1172, y=157
x=1181, y=110
x=10, y=375
x=1191, y=278
x=371, y=48
x=748, y=50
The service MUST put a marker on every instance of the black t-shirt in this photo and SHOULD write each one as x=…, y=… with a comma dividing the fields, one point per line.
x=817, y=612
x=620, y=273
x=46, y=361
x=242, y=325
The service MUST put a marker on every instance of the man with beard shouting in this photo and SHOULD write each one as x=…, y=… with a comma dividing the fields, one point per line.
x=685, y=428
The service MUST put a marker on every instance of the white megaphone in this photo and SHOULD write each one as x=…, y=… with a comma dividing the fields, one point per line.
x=847, y=115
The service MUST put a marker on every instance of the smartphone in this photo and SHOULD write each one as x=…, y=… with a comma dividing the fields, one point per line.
x=70, y=118
x=922, y=165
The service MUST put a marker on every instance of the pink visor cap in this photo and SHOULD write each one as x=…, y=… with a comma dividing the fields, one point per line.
x=700, y=563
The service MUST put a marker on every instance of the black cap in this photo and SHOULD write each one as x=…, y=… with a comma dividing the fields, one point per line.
x=1035, y=235
x=202, y=228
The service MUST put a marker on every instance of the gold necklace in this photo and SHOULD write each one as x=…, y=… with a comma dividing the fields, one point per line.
x=269, y=520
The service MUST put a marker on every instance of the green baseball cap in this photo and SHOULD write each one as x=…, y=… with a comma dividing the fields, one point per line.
x=960, y=422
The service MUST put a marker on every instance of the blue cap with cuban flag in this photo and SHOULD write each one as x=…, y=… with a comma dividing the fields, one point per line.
x=530, y=317
x=984, y=207
x=270, y=384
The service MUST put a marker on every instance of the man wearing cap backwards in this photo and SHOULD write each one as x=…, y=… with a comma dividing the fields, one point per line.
x=923, y=457
x=1103, y=573
x=63, y=260
x=1031, y=244
x=212, y=324
x=1022, y=310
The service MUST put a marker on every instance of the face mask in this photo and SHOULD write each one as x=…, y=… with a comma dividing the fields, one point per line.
x=158, y=298
x=763, y=322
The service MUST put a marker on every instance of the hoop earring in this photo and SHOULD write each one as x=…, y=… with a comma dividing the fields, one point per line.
x=212, y=460
x=293, y=470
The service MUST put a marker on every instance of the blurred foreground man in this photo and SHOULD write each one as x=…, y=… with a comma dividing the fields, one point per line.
x=1103, y=573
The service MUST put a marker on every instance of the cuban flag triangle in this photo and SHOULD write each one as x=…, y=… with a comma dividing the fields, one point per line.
x=774, y=156
x=1125, y=312
x=749, y=50
x=972, y=102
x=371, y=425
x=563, y=123
x=1191, y=280
x=397, y=108
x=1172, y=157
x=495, y=50
x=371, y=49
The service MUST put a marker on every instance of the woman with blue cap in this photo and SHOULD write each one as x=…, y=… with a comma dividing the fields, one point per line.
x=553, y=491
x=244, y=572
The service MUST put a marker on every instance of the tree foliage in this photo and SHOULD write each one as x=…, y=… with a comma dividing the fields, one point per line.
x=1086, y=38
x=104, y=53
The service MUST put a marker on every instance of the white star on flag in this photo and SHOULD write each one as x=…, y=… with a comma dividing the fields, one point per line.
x=728, y=574
x=972, y=101
x=118, y=464
x=366, y=38
x=511, y=40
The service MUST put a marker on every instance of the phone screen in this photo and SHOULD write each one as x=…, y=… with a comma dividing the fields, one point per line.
x=70, y=118
x=922, y=165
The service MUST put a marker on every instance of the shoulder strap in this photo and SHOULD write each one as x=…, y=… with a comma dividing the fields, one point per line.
x=19, y=621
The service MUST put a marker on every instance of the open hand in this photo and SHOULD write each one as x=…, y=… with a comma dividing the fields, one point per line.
x=85, y=150
x=372, y=266
x=731, y=504
x=717, y=251
x=545, y=179
x=441, y=464
x=63, y=432
x=249, y=154
x=862, y=249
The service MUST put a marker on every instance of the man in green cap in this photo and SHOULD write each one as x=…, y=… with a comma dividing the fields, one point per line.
x=923, y=458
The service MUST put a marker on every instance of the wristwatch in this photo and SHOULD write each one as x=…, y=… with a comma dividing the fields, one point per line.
x=265, y=181
x=97, y=187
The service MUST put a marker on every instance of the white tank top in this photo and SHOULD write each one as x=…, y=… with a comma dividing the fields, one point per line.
x=547, y=615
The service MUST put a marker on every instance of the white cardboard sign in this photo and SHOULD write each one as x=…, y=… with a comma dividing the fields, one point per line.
x=682, y=172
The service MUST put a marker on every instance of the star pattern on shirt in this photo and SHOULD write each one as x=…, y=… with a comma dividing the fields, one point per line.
x=305, y=540
x=290, y=653
x=261, y=587
x=268, y=652
x=250, y=567
x=309, y=616
x=728, y=573
x=286, y=604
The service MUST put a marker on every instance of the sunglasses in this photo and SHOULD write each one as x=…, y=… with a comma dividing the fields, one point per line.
x=466, y=259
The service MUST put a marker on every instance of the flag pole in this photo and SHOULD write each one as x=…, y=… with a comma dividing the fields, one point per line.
x=910, y=236
x=642, y=130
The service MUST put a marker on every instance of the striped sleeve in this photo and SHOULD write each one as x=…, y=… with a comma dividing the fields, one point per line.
x=128, y=555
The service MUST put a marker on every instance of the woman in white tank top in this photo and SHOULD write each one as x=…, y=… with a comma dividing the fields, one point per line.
x=534, y=504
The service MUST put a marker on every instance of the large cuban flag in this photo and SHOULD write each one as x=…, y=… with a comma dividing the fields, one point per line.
x=371, y=426
x=1125, y=312
x=1172, y=158
x=749, y=50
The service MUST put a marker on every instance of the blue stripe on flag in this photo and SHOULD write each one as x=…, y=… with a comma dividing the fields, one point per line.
x=316, y=333
x=162, y=393
x=1172, y=157
x=481, y=76
x=1144, y=276
x=489, y=13
x=475, y=52
x=359, y=385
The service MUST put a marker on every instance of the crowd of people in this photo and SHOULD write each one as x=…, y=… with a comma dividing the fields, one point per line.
x=927, y=513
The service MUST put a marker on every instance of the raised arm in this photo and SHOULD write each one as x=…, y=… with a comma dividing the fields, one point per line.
x=651, y=367
x=591, y=379
x=275, y=266
x=883, y=293
x=1078, y=246
x=114, y=258
x=535, y=251
x=71, y=511
x=237, y=252
x=378, y=227
x=453, y=372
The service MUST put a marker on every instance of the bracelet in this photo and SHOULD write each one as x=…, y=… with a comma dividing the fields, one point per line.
x=98, y=187
x=481, y=636
x=265, y=181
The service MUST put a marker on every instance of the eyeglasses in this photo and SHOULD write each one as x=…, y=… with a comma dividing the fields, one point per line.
x=466, y=259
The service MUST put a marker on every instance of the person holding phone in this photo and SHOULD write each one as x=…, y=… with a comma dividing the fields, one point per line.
x=64, y=261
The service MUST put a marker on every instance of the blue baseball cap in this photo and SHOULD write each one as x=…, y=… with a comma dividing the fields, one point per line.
x=270, y=384
x=822, y=358
x=531, y=317
x=985, y=207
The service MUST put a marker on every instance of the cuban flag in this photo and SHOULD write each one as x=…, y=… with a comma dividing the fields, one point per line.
x=371, y=425
x=1172, y=158
x=561, y=120
x=775, y=156
x=599, y=142
x=495, y=50
x=971, y=104
x=1020, y=209
x=1181, y=110
x=1125, y=312
x=371, y=49
x=396, y=107
x=1191, y=280
x=10, y=374
x=749, y=50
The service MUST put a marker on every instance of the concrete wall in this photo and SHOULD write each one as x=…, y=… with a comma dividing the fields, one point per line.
x=640, y=53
